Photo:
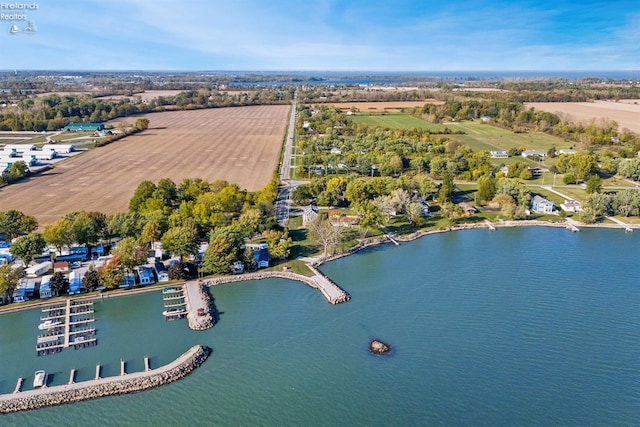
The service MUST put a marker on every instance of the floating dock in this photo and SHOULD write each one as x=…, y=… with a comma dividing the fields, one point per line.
x=74, y=330
x=198, y=306
x=175, y=306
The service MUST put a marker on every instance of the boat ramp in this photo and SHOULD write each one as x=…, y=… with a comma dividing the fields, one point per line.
x=68, y=324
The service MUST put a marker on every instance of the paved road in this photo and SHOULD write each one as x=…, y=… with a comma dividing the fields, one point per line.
x=287, y=186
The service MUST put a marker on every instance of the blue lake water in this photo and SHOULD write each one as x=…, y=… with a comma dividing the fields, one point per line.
x=528, y=326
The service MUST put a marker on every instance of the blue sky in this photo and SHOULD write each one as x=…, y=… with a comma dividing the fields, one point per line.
x=347, y=35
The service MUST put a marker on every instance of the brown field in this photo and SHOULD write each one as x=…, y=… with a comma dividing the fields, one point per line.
x=374, y=107
x=626, y=113
x=241, y=145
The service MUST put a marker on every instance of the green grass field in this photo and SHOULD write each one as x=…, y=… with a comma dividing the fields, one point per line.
x=486, y=137
x=396, y=121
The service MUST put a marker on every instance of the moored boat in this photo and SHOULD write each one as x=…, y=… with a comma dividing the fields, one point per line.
x=48, y=324
x=40, y=379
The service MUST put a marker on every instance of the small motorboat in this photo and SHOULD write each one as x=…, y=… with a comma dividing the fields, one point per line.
x=40, y=379
x=48, y=324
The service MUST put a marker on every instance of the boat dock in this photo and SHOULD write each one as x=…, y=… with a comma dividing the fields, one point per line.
x=67, y=325
x=198, y=306
x=490, y=225
x=175, y=306
x=331, y=291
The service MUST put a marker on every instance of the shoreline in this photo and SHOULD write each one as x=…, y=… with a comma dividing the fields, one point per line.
x=316, y=262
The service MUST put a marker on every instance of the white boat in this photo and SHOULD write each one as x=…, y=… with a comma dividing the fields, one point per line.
x=40, y=379
x=48, y=324
x=174, y=312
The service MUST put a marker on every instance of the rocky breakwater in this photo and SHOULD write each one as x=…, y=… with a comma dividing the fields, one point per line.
x=130, y=383
x=329, y=289
x=198, y=306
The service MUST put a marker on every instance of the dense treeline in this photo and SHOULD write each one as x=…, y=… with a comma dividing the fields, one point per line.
x=53, y=112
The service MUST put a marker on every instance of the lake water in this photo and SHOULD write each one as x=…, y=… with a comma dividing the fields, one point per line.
x=528, y=326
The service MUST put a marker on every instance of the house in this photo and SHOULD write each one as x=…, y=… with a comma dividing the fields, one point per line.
x=533, y=153
x=39, y=269
x=59, y=148
x=499, y=154
x=308, y=214
x=566, y=151
x=17, y=149
x=260, y=253
x=75, y=281
x=46, y=291
x=129, y=281
x=145, y=275
x=61, y=267
x=541, y=205
x=571, y=206
x=485, y=119
x=83, y=127
x=467, y=208
x=5, y=259
x=426, y=209
x=161, y=272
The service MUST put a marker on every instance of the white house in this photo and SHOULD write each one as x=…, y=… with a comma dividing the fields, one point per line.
x=59, y=148
x=20, y=148
x=529, y=153
x=571, y=206
x=38, y=269
x=541, y=205
x=308, y=214
x=499, y=154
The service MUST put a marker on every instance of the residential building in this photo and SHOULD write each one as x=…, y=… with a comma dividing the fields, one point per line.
x=541, y=205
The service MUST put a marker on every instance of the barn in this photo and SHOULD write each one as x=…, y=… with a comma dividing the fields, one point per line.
x=83, y=127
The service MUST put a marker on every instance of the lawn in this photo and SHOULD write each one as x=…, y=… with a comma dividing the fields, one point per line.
x=396, y=121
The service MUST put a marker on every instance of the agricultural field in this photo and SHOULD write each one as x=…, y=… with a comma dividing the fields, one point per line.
x=626, y=112
x=239, y=144
x=395, y=121
x=380, y=107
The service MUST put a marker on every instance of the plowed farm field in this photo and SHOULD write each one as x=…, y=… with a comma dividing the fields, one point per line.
x=626, y=112
x=241, y=145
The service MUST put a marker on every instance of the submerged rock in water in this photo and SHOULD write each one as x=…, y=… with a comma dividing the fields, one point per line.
x=378, y=347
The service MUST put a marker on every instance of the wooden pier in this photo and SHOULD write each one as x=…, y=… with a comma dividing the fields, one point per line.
x=74, y=330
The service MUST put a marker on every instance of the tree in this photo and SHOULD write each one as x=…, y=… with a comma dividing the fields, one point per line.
x=87, y=227
x=28, y=247
x=224, y=249
x=182, y=241
x=486, y=188
x=181, y=271
x=626, y=202
x=91, y=280
x=14, y=223
x=143, y=192
x=58, y=233
x=414, y=213
x=141, y=124
x=325, y=234
x=9, y=278
x=59, y=283
x=386, y=206
x=594, y=184
x=249, y=260
x=445, y=194
x=515, y=189
x=112, y=274
x=630, y=168
x=130, y=253
x=370, y=216
x=598, y=204
x=279, y=243
x=125, y=224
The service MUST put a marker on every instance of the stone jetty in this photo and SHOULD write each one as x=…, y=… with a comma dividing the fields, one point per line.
x=330, y=290
x=198, y=306
x=130, y=383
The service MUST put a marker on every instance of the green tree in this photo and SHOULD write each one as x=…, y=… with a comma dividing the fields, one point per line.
x=630, y=168
x=224, y=249
x=486, y=188
x=91, y=280
x=130, y=253
x=28, y=247
x=279, y=243
x=445, y=194
x=58, y=233
x=143, y=192
x=249, y=260
x=325, y=234
x=59, y=283
x=594, y=184
x=86, y=227
x=182, y=241
x=141, y=124
x=14, y=223
x=569, y=179
x=9, y=278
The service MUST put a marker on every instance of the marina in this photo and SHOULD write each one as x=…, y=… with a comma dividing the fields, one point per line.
x=66, y=325
x=174, y=303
